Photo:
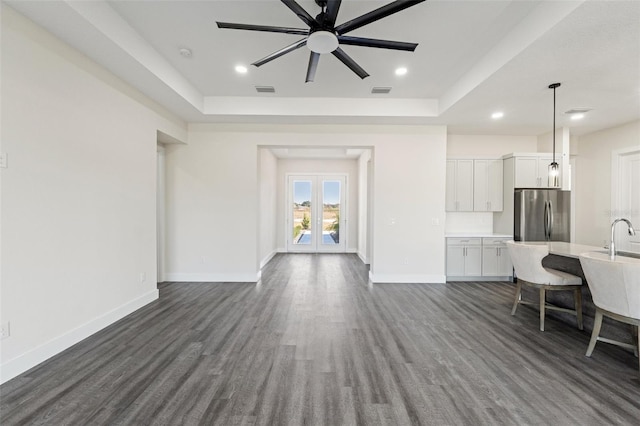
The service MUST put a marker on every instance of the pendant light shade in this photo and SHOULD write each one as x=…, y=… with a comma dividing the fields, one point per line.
x=554, y=168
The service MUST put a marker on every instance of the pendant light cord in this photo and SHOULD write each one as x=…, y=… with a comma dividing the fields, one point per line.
x=554, y=124
x=554, y=86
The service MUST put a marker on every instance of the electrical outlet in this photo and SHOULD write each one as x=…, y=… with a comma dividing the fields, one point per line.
x=405, y=261
x=4, y=160
x=143, y=277
x=5, y=331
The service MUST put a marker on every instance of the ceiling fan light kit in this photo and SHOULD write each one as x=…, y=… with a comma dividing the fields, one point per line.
x=323, y=36
x=322, y=42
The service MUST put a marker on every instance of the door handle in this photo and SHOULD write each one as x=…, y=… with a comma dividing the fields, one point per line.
x=547, y=220
x=550, y=219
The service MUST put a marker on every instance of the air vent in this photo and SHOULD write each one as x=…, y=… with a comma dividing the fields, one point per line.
x=577, y=111
x=380, y=90
x=265, y=89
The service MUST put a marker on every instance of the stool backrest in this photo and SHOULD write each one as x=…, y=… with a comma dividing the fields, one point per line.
x=615, y=286
x=527, y=261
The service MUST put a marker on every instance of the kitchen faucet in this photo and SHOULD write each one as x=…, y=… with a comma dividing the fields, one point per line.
x=612, y=247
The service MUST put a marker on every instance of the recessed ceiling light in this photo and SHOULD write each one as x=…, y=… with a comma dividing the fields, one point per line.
x=401, y=71
x=578, y=116
x=241, y=69
x=184, y=52
x=497, y=115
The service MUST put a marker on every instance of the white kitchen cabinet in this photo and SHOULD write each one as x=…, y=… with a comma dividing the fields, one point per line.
x=532, y=171
x=495, y=258
x=487, y=185
x=459, y=186
x=464, y=257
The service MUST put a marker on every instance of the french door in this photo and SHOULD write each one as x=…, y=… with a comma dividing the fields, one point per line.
x=316, y=213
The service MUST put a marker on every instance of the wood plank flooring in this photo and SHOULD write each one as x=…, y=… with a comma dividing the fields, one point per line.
x=315, y=343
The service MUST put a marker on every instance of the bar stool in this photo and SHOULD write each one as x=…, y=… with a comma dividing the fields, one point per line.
x=615, y=288
x=527, y=262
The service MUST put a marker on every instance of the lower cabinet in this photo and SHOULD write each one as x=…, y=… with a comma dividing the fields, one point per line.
x=464, y=257
x=495, y=258
x=477, y=259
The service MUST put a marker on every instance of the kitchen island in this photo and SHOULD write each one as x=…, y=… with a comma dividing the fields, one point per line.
x=565, y=257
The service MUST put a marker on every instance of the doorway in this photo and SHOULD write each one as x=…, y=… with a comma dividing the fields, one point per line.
x=626, y=196
x=316, y=213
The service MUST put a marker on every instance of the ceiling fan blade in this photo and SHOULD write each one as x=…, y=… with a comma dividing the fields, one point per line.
x=332, y=10
x=266, y=28
x=372, y=42
x=345, y=59
x=281, y=52
x=381, y=12
x=302, y=14
x=313, y=66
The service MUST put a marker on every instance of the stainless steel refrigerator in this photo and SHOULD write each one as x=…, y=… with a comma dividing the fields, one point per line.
x=541, y=215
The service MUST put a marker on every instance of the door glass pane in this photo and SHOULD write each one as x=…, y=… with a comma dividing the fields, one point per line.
x=302, y=219
x=331, y=212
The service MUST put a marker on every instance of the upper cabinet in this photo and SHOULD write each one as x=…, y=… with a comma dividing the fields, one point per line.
x=532, y=170
x=459, y=193
x=474, y=185
x=487, y=185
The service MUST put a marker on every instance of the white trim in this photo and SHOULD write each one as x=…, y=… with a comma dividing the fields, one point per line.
x=351, y=250
x=33, y=357
x=407, y=278
x=507, y=278
x=363, y=258
x=212, y=277
x=267, y=259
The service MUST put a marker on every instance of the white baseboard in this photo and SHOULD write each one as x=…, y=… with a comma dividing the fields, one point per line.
x=212, y=277
x=30, y=359
x=267, y=259
x=363, y=258
x=352, y=250
x=407, y=278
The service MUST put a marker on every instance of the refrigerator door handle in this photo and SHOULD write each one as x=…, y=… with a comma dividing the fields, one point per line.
x=545, y=219
x=550, y=219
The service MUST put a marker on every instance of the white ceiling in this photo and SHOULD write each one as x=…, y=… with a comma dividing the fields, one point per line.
x=474, y=57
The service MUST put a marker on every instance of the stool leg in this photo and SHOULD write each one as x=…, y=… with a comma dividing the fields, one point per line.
x=518, y=296
x=578, y=302
x=597, y=323
x=542, y=306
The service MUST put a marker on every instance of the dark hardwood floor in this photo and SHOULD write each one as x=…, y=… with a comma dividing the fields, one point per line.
x=315, y=343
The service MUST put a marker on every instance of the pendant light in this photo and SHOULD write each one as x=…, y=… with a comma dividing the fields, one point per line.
x=554, y=169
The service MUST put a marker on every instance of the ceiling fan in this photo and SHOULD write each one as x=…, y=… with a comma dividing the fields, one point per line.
x=324, y=36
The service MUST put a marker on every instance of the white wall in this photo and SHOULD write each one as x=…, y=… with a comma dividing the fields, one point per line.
x=364, y=164
x=488, y=146
x=307, y=166
x=212, y=197
x=268, y=181
x=78, y=197
x=592, y=184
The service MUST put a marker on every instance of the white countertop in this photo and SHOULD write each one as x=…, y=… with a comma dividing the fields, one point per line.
x=617, y=259
x=561, y=248
x=476, y=235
